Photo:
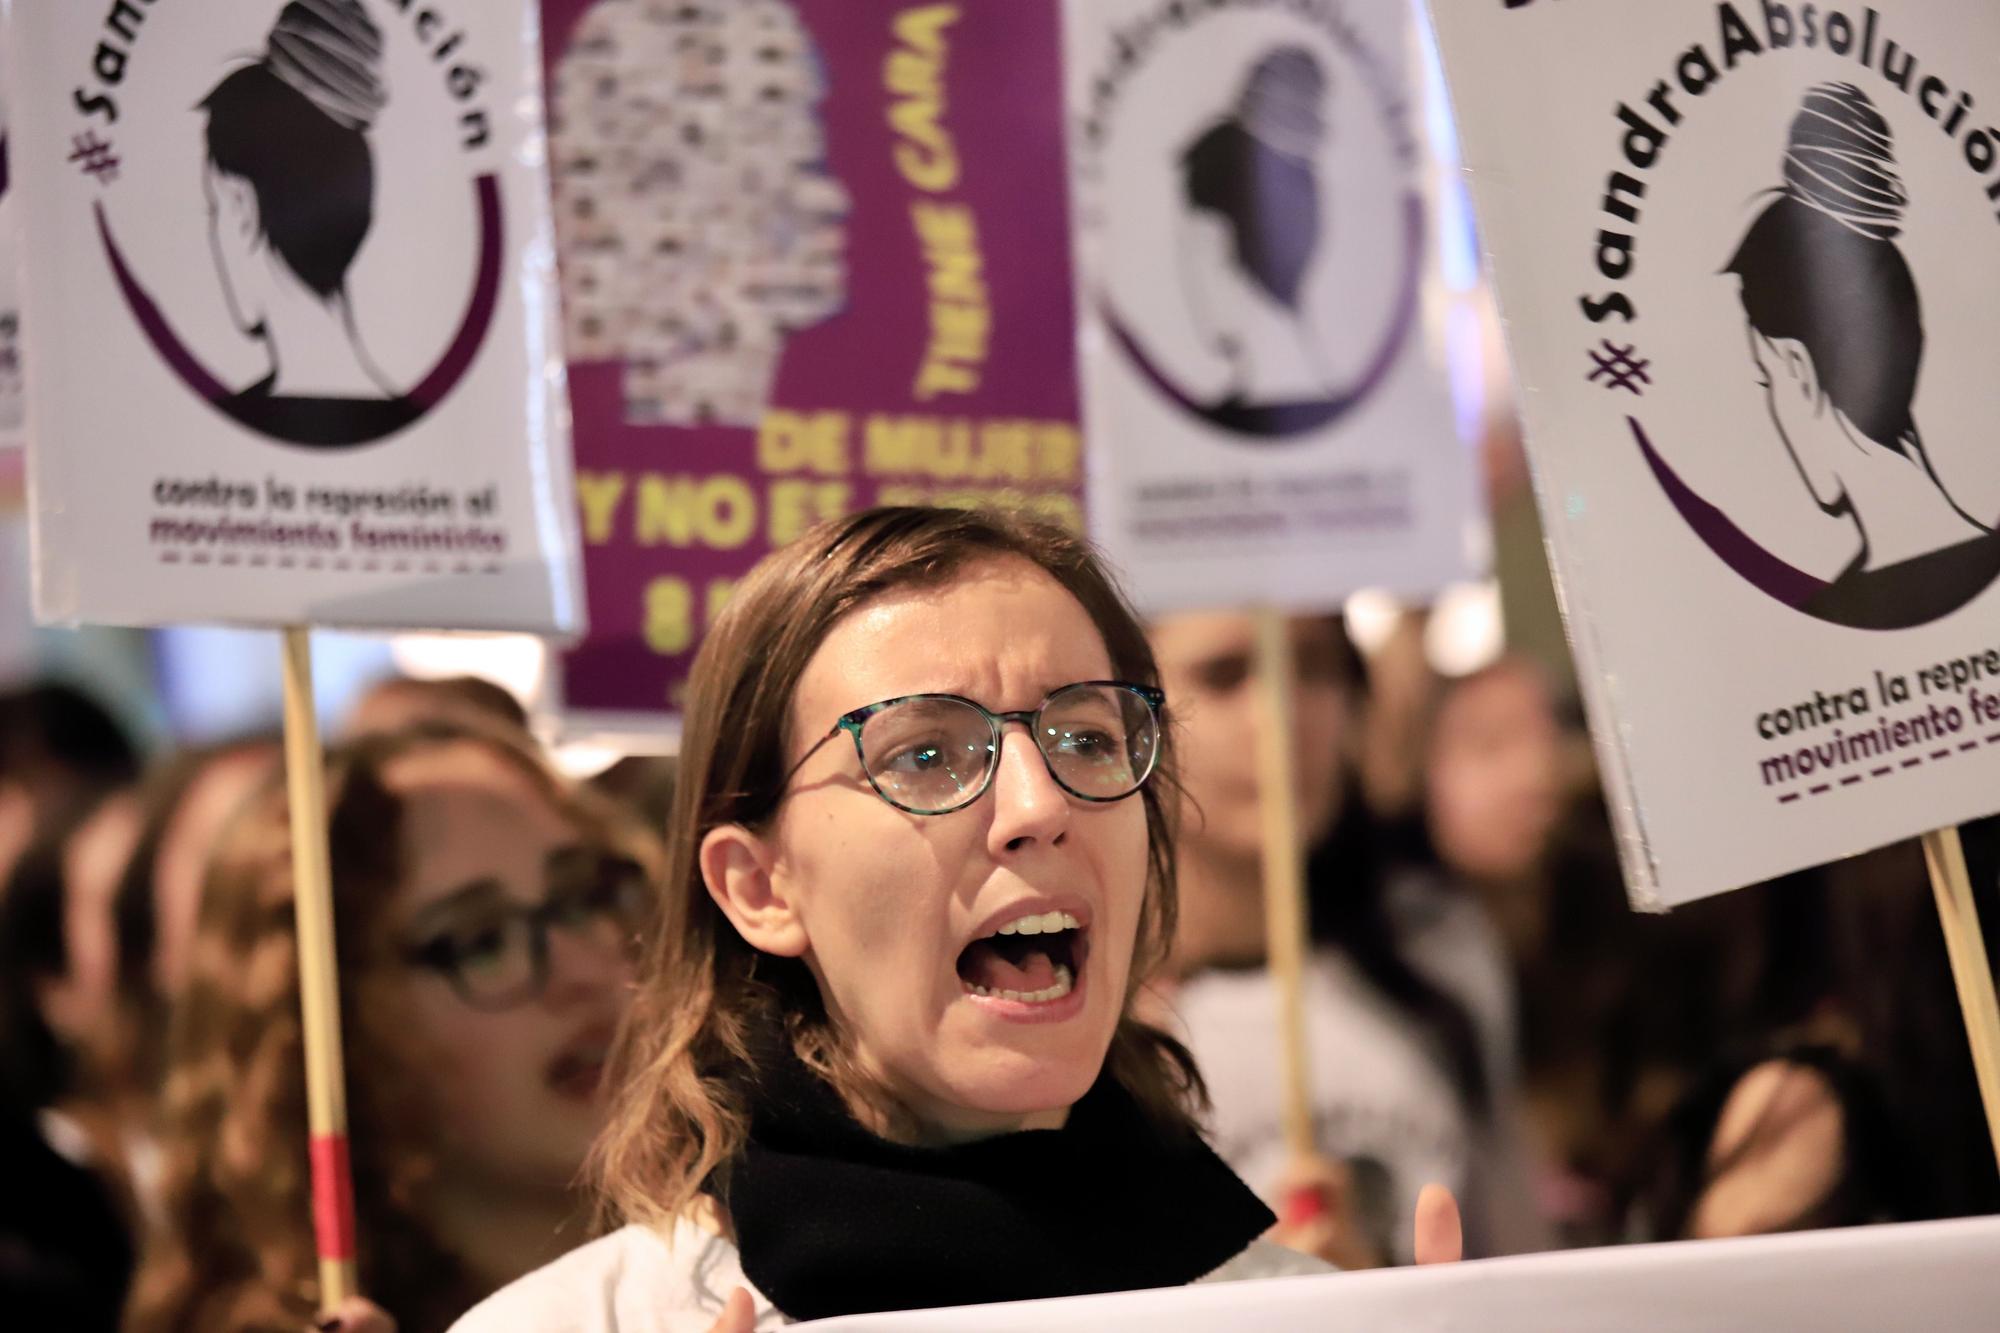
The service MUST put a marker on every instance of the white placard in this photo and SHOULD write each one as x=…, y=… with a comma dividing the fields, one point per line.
x=11, y=393
x=1935, y=1276
x=1749, y=260
x=1267, y=396
x=291, y=313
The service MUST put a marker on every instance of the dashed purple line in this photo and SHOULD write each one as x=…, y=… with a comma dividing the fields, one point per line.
x=1886, y=770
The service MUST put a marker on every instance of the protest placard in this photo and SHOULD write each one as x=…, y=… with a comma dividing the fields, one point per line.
x=293, y=316
x=815, y=257
x=1745, y=256
x=1267, y=395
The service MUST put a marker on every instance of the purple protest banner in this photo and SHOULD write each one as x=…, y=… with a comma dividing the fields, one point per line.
x=816, y=256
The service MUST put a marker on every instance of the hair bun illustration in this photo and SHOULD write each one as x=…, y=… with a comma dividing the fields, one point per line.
x=1841, y=161
x=330, y=52
x=1283, y=103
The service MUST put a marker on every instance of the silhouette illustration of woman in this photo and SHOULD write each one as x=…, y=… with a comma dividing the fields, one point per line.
x=290, y=182
x=1254, y=227
x=1836, y=332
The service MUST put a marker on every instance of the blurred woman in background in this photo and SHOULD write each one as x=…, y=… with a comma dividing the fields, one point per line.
x=1409, y=1006
x=486, y=913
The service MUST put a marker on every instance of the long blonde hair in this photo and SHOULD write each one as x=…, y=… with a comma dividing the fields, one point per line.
x=704, y=994
x=236, y=1248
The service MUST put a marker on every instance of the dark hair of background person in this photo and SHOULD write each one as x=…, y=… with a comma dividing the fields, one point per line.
x=35, y=1069
x=1848, y=955
x=1347, y=883
x=447, y=698
x=65, y=1247
x=1877, y=1178
x=135, y=914
x=314, y=178
x=643, y=783
x=52, y=730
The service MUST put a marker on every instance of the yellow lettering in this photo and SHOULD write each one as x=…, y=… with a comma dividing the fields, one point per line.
x=909, y=74
x=958, y=332
x=669, y=616
x=1006, y=450
x=890, y=444
x=717, y=512
x=1061, y=451
x=961, y=316
x=922, y=27
x=927, y=160
x=946, y=230
x=938, y=377
x=795, y=505
x=914, y=76
x=803, y=442
x=598, y=495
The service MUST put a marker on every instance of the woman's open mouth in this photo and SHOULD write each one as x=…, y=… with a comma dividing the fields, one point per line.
x=1035, y=958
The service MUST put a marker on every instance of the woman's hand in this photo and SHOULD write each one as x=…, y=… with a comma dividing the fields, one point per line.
x=1440, y=1233
x=739, y=1315
x=1319, y=1217
x=355, y=1315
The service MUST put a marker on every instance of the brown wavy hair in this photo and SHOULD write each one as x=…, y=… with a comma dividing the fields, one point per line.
x=235, y=1251
x=704, y=994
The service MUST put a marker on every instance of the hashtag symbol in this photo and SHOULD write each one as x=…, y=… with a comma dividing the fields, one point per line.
x=96, y=157
x=1619, y=368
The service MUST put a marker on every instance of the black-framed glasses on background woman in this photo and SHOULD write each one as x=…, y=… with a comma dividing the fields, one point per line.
x=931, y=754
x=495, y=951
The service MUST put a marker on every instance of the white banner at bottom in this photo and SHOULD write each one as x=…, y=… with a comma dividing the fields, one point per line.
x=1938, y=1276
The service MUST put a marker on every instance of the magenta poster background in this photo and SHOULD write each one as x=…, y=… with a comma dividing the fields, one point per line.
x=674, y=514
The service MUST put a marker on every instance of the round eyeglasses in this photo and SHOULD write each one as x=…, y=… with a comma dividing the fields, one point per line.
x=495, y=952
x=931, y=754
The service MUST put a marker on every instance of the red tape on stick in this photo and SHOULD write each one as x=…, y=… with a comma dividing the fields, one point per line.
x=333, y=1197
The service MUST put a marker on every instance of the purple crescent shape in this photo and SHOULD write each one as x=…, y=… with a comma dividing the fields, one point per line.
x=429, y=392
x=1279, y=421
x=1733, y=546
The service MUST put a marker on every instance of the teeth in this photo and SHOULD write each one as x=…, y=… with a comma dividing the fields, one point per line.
x=1046, y=923
x=1065, y=983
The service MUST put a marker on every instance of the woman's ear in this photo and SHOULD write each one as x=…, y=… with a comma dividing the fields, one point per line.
x=738, y=866
x=1795, y=363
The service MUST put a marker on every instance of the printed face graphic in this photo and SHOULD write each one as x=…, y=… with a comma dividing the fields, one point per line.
x=1834, y=325
x=289, y=181
x=1254, y=228
x=232, y=234
x=1791, y=388
x=699, y=224
x=1256, y=188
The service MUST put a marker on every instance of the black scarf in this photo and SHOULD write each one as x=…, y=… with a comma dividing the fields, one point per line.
x=833, y=1220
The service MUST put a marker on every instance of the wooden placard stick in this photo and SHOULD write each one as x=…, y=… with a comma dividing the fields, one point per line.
x=319, y=978
x=1970, y=968
x=1284, y=873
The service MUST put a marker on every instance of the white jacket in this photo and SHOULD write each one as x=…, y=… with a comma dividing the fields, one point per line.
x=637, y=1281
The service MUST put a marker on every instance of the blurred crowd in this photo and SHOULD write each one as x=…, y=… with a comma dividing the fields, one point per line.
x=1484, y=1010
